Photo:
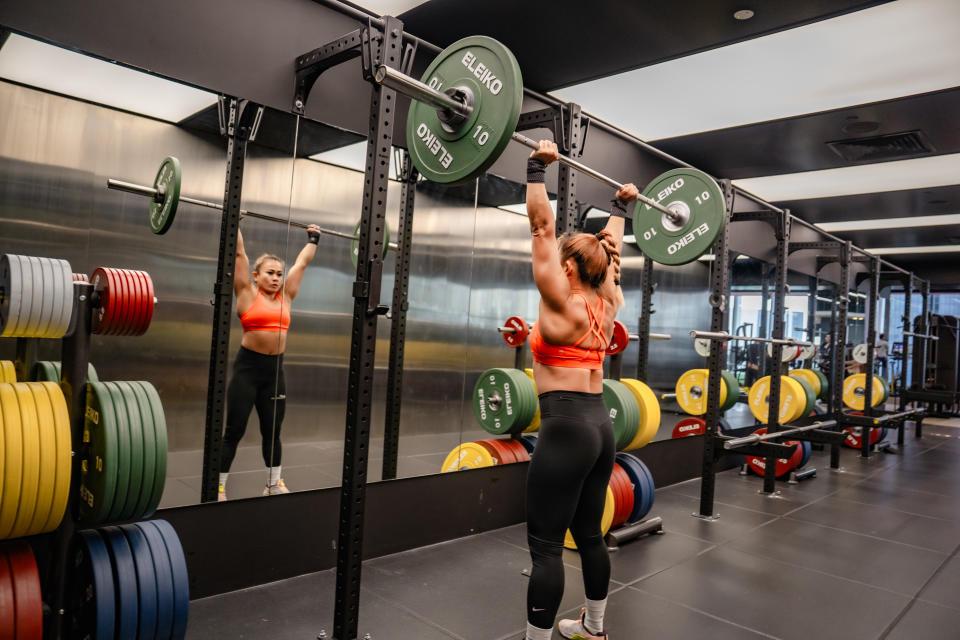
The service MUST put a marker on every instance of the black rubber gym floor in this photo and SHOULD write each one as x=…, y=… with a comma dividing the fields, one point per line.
x=870, y=552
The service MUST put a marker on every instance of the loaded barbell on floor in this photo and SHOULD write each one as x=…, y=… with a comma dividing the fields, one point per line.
x=165, y=198
x=466, y=110
x=754, y=438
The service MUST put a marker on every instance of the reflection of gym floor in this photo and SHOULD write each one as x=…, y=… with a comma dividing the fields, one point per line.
x=306, y=465
x=867, y=553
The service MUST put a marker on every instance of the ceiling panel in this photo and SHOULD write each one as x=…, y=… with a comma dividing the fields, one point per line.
x=800, y=144
x=601, y=38
x=889, y=204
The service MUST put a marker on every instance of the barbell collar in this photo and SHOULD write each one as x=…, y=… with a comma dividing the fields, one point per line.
x=421, y=92
x=736, y=443
x=150, y=192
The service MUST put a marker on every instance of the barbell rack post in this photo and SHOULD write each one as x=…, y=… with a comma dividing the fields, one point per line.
x=150, y=192
x=421, y=92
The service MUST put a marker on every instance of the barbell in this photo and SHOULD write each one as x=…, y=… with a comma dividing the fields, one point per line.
x=165, y=198
x=465, y=111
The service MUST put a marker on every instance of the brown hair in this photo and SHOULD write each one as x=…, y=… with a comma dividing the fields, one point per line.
x=264, y=258
x=593, y=255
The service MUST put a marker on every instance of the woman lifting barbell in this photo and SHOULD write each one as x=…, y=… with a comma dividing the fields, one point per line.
x=578, y=277
x=258, y=379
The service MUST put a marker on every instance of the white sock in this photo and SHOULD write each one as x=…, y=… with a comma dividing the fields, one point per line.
x=275, y=478
x=536, y=633
x=223, y=480
x=593, y=620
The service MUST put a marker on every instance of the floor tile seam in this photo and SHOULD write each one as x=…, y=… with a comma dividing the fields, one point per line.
x=728, y=504
x=867, y=535
x=937, y=603
x=756, y=554
x=657, y=572
x=916, y=596
x=909, y=513
x=923, y=491
x=706, y=613
x=421, y=617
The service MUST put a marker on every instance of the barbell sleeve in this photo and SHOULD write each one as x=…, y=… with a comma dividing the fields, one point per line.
x=416, y=90
x=725, y=337
x=150, y=192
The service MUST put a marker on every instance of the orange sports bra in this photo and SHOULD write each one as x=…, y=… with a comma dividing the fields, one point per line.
x=573, y=356
x=260, y=317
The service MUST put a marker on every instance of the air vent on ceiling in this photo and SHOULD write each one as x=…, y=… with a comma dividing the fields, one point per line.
x=892, y=146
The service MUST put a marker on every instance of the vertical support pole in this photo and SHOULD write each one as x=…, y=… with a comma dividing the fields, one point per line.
x=782, y=230
x=812, y=315
x=871, y=327
x=520, y=356
x=833, y=351
x=646, y=310
x=366, y=294
x=25, y=358
x=923, y=331
x=570, y=145
x=616, y=366
x=74, y=357
x=840, y=330
x=398, y=321
x=719, y=283
x=239, y=125
x=906, y=352
x=766, y=364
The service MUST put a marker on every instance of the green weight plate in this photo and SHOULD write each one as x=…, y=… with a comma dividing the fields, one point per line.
x=824, y=384
x=163, y=210
x=160, y=434
x=355, y=243
x=886, y=389
x=98, y=467
x=733, y=390
x=135, y=422
x=694, y=196
x=811, y=397
x=149, y=450
x=487, y=71
x=623, y=410
x=496, y=403
x=526, y=394
x=123, y=451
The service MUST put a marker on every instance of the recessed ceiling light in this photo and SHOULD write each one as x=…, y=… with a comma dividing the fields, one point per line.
x=743, y=14
x=890, y=223
x=939, y=248
x=50, y=68
x=900, y=175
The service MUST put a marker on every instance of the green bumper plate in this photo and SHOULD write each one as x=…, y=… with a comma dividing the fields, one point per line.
x=623, y=410
x=487, y=71
x=699, y=202
x=127, y=511
x=733, y=390
x=811, y=397
x=149, y=451
x=160, y=438
x=504, y=401
x=163, y=208
x=98, y=466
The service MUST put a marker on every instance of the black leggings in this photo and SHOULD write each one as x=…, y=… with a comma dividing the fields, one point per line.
x=567, y=489
x=257, y=381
